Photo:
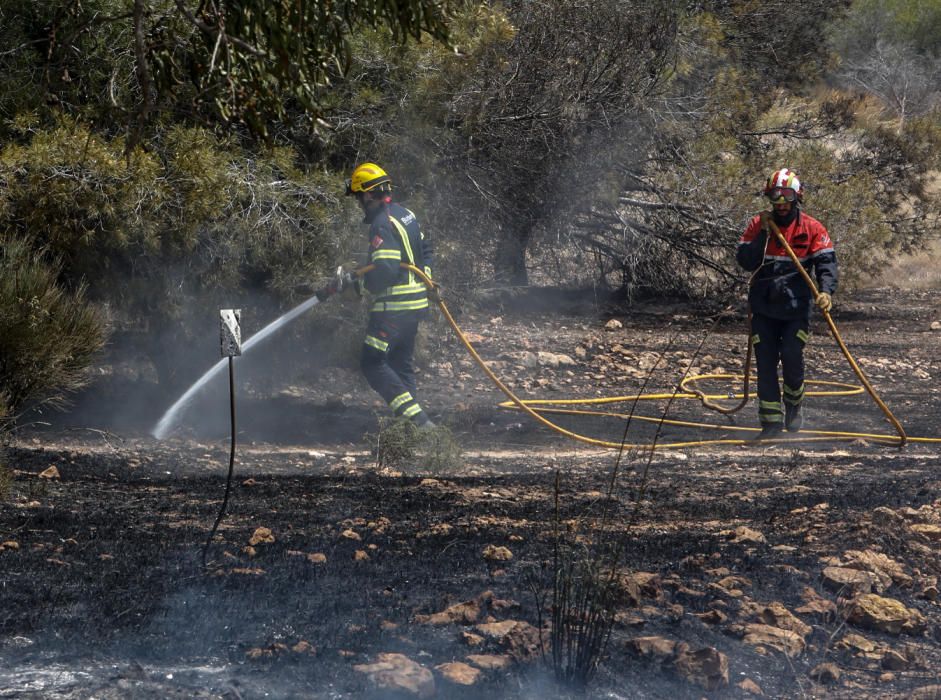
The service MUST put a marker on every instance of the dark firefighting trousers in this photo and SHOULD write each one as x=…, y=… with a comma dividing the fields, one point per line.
x=386, y=360
x=779, y=341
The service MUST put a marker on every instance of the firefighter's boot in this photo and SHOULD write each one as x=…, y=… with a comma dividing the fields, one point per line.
x=793, y=419
x=769, y=431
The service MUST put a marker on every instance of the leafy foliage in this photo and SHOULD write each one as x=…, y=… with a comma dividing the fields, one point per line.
x=252, y=60
x=48, y=335
x=248, y=63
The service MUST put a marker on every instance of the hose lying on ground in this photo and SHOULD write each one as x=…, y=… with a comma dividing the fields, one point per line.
x=538, y=408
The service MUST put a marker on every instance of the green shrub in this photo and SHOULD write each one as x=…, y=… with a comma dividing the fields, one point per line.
x=400, y=444
x=48, y=334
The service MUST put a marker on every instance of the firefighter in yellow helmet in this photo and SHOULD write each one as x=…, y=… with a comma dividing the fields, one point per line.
x=780, y=298
x=399, y=297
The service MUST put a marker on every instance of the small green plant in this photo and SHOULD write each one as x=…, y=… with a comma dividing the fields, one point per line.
x=400, y=444
x=440, y=452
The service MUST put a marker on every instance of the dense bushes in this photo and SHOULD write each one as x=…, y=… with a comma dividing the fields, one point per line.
x=48, y=334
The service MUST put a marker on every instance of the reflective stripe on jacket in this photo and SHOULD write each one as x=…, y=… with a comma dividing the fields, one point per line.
x=395, y=237
x=778, y=290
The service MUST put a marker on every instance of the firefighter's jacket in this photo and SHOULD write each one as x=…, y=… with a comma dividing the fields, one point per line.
x=778, y=290
x=395, y=237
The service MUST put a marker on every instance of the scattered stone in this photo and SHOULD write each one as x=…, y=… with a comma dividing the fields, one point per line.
x=256, y=653
x=10, y=544
x=613, y=325
x=360, y=555
x=351, y=535
x=554, y=360
x=317, y=558
x=490, y=662
x=636, y=585
x=304, y=647
x=262, y=535
x=749, y=686
x=850, y=581
x=814, y=604
x=791, y=643
x=495, y=553
x=521, y=640
x=471, y=639
x=459, y=673
x=858, y=642
x=871, y=611
x=731, y=583
x=707, y=667
x=744, y=535
x=932, y=533
x=50, y=473
x=825, y=673
x=656, y=647
x=712, y=617
x=436, y=530
x=886, y=516
x=936, y=325
x=777, y=615
x=465, y=613
x=397, y=672
x=894, y=661
x=885, y=568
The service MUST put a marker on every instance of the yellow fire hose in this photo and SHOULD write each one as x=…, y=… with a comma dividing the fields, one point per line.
x=535, y=408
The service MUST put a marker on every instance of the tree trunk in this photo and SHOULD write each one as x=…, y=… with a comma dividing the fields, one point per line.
x=509, y=262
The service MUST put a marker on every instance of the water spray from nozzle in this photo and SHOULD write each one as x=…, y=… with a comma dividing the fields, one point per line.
x=172, y=414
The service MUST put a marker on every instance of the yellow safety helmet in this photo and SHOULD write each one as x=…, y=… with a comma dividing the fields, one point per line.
x=366, y=177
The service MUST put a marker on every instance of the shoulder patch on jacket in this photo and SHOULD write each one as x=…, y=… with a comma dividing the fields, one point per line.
x=376, y=241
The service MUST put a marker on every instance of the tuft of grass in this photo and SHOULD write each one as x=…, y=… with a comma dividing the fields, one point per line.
x=400, y=444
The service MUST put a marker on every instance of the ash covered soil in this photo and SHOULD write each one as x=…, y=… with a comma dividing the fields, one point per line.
x=777, y=570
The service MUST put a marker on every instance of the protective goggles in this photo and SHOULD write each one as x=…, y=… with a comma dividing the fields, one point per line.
x=779, y=195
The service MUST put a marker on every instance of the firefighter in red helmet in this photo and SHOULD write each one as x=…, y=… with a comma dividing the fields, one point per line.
x=780, y=298
x=400, y=298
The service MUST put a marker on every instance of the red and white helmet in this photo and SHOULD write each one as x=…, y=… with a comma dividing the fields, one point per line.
x=783, y=186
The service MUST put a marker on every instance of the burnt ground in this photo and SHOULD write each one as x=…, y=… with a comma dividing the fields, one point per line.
x=103, y=593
